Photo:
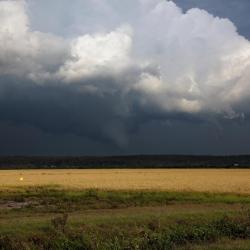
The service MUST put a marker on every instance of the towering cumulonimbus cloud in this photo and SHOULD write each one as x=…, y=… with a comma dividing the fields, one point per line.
x=143, y=55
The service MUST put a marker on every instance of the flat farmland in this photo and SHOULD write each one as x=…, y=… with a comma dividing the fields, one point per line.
x=125, y=209
x=197, y=180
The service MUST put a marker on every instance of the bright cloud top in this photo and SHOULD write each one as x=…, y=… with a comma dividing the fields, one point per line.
x=188, y=62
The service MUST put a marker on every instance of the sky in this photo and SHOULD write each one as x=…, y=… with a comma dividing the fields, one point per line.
x=111, y=77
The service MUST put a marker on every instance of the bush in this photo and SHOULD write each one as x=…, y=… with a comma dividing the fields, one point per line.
x=59, y=223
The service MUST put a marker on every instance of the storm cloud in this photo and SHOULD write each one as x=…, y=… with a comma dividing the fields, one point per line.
x=123, y=74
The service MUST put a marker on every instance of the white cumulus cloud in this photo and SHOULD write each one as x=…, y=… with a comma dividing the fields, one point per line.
x=98, y=54
x=24, y=52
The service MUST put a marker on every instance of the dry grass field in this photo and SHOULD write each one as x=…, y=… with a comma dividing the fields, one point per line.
x=201, y=180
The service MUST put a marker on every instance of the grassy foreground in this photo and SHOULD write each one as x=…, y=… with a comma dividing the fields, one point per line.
x=54, y=218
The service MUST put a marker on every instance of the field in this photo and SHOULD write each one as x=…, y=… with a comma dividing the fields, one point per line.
x=125, y=209
x=200, y=180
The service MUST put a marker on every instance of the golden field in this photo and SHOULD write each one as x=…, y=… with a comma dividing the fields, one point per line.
x=202, y=180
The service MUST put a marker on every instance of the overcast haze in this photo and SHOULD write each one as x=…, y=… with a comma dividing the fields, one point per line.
x=106, y=77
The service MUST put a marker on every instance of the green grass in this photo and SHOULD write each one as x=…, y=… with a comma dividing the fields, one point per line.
x=99, y=219
x=220, y=245
x=146, y=232
x=55, y=198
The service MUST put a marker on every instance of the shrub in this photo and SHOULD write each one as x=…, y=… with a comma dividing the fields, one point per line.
x=59, y=223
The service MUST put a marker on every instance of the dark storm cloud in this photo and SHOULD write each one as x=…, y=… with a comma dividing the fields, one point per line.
x=122, y=82
x=62, y=109
x=106, y=117
x=58, y=120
